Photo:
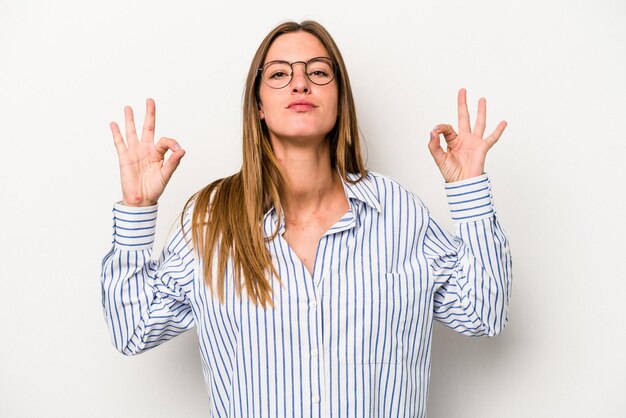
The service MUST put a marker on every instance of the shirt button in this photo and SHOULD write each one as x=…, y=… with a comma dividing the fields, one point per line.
x=313, y=304
x=314, y=352
x=315, y=399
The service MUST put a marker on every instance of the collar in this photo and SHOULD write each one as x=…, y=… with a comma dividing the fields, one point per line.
x=363, y=190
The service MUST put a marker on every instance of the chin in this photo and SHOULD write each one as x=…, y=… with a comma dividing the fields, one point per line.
x=301, y=132
x=302, y=135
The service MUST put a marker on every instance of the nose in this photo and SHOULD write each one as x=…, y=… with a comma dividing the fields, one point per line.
x=299, y=81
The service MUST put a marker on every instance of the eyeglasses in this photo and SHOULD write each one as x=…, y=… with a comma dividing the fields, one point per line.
x=278, y=74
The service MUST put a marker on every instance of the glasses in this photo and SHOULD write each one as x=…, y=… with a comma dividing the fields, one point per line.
x=278, y=74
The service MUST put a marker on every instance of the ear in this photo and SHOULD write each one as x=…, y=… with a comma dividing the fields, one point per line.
x=261, y=114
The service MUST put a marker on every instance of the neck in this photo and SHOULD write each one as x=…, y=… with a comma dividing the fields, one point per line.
x=311, y=181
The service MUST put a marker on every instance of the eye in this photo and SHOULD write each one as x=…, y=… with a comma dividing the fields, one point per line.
x=320, y=70
x=277, y=75
x=318, y=73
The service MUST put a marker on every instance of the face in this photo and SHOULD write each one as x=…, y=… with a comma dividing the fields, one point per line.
x=301, y=111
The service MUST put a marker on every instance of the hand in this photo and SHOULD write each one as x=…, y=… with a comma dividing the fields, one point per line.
x=143, y=169
x=465, y=156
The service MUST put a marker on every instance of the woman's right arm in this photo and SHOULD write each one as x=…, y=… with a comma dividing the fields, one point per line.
x=145, y=302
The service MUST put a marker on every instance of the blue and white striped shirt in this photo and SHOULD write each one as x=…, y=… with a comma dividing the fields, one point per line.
x=351, y=340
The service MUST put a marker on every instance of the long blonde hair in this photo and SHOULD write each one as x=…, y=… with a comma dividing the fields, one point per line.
x=228, y=213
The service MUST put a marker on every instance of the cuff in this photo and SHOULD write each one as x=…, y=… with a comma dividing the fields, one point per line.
x=134, y=227
x=470, y=199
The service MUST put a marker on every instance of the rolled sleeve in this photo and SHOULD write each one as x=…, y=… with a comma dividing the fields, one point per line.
x=134, y=227
x=470, y=199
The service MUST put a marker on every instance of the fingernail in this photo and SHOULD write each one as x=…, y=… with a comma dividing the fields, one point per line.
x=432, y=135
x=436, y=128
x=176, y=147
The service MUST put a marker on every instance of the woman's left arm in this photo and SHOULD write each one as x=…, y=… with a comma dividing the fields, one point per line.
x=472, y=269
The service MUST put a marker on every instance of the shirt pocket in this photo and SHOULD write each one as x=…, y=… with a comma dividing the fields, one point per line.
x=375, y=319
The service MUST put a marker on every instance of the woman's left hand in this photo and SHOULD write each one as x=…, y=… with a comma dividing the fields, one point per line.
x=465, y=156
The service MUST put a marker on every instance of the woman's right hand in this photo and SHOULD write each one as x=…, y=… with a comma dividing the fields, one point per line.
x=143, y=169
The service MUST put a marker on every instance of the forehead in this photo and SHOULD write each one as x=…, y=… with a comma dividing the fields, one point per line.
x=295, y=46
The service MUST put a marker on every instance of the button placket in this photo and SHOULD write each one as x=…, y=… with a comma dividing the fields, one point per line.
x=316, y=361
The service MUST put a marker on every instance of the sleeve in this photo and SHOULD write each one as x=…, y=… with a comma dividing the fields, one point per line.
x=145, y=302
x=472, y=269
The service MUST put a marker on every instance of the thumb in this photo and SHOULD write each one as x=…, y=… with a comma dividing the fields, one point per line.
x=172, y=163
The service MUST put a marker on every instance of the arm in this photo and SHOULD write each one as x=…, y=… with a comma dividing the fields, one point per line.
x=472, y=269
x=145, y=302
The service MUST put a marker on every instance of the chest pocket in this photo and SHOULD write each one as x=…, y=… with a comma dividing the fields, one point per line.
x=375, y=320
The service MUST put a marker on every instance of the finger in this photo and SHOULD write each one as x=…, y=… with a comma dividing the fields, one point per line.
x=464, y=122
x=448, y=132
x=434, y=146
x=493, y=138
x=172, y=164
x=481, y=118
x=166, y=144
x=149, y=121
x=131, y=133
x=118, y=139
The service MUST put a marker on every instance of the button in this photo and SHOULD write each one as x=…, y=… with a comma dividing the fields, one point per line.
x=313, y=304
x=315, y=399
x=314, y=352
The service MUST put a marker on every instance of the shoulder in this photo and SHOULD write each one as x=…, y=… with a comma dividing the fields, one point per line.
x=390, y=191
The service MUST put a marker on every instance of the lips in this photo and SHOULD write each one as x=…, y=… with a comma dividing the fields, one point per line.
x=301, y=105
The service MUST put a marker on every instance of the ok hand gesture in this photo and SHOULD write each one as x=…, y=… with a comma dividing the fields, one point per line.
x=465, y=156
x=143, y=169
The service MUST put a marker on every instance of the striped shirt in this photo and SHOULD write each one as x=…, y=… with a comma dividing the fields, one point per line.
x=351, y=340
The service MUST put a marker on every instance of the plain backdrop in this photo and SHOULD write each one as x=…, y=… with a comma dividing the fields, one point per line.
x=554, y=70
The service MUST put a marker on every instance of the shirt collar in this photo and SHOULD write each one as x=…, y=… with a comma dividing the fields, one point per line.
x=363, y=190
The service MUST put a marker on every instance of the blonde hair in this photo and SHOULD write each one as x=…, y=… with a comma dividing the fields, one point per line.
x=227, y=219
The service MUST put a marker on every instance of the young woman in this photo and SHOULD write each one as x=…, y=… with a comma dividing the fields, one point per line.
x=312, y=283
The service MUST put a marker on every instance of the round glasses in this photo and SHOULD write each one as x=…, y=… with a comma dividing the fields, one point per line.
x=278, y=74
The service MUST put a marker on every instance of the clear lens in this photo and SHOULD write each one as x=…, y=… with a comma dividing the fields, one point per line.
x=320, y=71
x=277, y=74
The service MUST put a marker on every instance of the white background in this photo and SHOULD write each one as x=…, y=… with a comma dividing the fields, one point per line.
x=555, y=71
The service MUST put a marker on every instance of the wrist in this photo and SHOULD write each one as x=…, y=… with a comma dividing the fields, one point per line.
x=464, y=176
x=141, y=205
x=137, y=203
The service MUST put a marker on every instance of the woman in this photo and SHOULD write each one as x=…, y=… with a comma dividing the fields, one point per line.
x=313, y=283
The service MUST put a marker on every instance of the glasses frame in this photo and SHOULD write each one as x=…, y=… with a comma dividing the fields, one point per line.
x=306, y=63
